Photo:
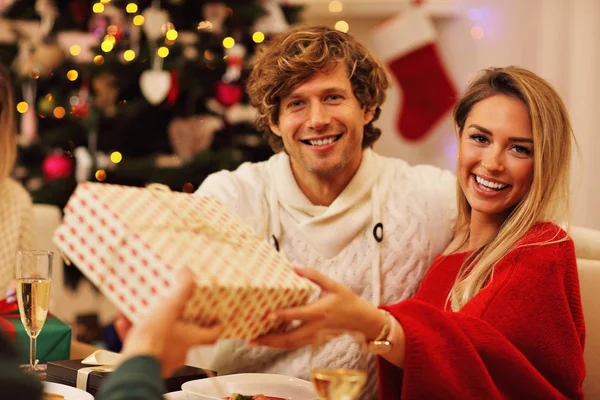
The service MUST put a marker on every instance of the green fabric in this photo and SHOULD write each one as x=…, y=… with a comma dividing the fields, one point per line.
x=53, y=342
x=136, y=379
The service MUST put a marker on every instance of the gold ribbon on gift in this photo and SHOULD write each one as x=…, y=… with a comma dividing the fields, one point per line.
x=103, y=361
x=174, y=225
x=197, y=226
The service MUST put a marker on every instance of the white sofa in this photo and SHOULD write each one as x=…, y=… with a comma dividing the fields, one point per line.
x=66, y=304
x=587, y=247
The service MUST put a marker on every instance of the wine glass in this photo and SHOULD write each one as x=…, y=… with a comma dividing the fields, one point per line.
x=336, y=379
x=34, y=275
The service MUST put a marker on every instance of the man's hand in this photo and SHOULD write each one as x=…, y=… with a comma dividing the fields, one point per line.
x=161, y=334
x=339, y=310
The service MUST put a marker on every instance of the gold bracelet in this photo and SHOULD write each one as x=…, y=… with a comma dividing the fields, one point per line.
x=382, y=344
x=385, y=331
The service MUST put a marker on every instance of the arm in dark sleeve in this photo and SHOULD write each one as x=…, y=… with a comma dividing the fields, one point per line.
x=14, y=383
x=136, y=379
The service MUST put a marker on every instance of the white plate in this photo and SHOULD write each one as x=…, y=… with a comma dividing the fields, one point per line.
x=69, y=392
x=268, y=384
x=178, y=395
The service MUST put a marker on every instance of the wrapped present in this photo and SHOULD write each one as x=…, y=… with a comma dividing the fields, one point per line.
x=130, y=242
x=79, y=373
x=53, y=342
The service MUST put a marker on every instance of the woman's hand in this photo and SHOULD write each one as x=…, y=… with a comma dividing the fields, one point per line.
x=338, y=310
x=161, y=334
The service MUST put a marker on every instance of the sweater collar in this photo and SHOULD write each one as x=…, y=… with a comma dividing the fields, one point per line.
x=291, y=197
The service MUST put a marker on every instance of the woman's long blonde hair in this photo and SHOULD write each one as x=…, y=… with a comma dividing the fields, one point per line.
x=8, y=139
x=548, y=197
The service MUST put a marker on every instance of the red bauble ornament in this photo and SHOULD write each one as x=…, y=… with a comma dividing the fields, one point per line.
x=81, y=110
x=229, y=94
x=57, y=166
x=174, y=90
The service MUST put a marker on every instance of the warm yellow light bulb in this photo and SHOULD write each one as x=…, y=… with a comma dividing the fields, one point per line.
x=172, y=34
x=98, y=60
x=22, y=107
x=98, y=8
x=110, y=38
x=104, y=1
x=342, y=26
x=163, y=52
x=59, y=112
x=72, y=75
x=129, y=55
x=335, y=6
x=138, y=20
x=106, y=46
x=75, y=50
x=228, y=42
x=100, y=175
x=131, y=8
x=116, y=157
x=258, y=37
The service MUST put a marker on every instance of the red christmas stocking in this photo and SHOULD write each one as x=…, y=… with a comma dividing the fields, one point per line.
x=406, y=43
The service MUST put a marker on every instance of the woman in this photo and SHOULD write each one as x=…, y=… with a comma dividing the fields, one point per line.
x=16, y=215
x=498, y=315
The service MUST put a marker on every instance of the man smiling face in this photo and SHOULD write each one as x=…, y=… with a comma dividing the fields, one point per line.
x=321, y=124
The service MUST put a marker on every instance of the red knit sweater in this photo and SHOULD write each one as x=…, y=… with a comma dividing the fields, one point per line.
x=520, y=337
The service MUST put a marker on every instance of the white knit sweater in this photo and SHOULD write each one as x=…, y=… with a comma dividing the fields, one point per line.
x=16, y=228
x=417, y=213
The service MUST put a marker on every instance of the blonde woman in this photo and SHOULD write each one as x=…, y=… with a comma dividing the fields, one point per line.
x=16, y=215
x=498, y=314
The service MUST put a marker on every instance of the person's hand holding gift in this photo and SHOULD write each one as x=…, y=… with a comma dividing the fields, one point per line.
x=162, y=334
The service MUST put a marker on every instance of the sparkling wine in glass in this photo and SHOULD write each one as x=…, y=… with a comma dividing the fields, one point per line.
x=338, y=383
x=335, y=379
x=34, y=277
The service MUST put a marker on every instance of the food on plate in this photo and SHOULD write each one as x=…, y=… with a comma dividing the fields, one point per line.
x=52, y=396
x=237, y=396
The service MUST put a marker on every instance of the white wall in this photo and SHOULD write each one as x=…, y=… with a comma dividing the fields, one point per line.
x=555, y=38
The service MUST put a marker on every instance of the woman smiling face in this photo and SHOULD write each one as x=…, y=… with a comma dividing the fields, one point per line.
x=495, y=163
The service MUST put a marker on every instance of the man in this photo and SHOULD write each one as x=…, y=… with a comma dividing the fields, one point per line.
x=326, y=200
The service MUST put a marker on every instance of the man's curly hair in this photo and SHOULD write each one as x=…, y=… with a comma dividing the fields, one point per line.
x=293, y=57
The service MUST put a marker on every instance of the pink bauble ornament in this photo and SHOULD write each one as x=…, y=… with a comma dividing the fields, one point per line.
x=57, y=166
x=228, y=94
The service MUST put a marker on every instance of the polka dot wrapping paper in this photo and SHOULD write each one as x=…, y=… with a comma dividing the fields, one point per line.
x=130, y=242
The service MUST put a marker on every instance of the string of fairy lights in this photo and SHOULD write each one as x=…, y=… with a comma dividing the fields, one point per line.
x=336, y=6
x=109, y=38
x=107, y=45
x=109, y=41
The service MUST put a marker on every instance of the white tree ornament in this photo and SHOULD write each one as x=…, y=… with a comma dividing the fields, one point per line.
x=154, y=20
x=274, y=21
x=155, y=83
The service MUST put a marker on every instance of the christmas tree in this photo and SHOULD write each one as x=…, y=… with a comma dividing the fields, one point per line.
x=133, y=92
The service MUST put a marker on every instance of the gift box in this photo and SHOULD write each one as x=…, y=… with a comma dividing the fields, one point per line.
x=66, y=372
x=53, y=342
x=130, y=242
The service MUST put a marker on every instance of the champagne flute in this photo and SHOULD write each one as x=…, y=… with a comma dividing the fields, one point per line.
x=34, y=275
x=332, y=379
